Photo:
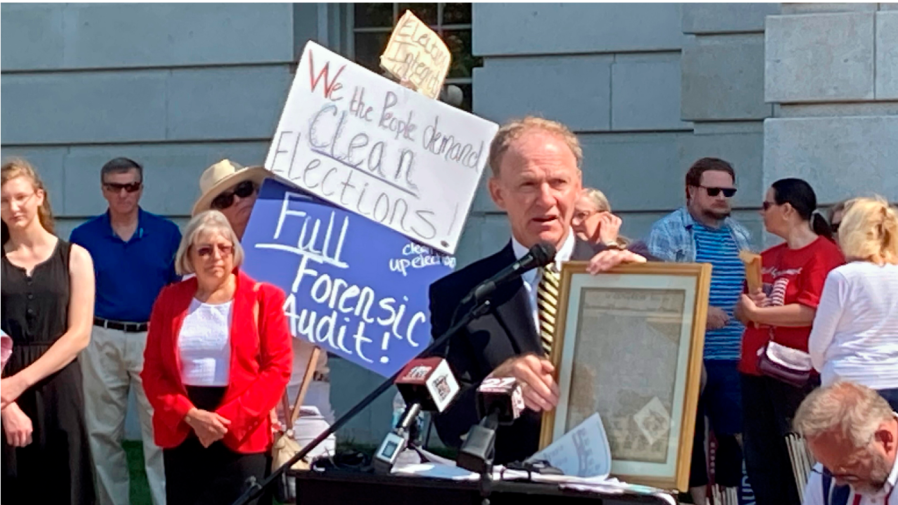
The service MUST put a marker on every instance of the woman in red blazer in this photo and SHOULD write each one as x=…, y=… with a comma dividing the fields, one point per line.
x=217, y=360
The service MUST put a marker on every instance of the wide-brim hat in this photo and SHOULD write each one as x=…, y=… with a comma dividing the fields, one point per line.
x=223, y=175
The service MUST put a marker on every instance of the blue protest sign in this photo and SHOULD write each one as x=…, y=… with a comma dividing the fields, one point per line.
x=354, y=287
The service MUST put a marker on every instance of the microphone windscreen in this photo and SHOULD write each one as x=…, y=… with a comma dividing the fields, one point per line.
x=543, y=253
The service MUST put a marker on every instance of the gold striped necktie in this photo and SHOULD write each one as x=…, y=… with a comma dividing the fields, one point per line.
x=547, y=303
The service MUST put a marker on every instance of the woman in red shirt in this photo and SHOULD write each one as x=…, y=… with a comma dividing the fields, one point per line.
x=217, y=360
x=793, y=275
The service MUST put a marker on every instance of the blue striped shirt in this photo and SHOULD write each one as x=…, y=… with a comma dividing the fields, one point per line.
x=717, y=247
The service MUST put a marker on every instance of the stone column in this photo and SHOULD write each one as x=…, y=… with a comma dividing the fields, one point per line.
x=831, y=73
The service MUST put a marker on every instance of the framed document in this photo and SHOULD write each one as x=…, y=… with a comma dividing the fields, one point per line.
x=628, y=345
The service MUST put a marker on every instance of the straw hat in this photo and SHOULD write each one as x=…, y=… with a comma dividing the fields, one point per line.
x=223, y=175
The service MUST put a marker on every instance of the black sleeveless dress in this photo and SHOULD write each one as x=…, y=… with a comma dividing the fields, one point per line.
x=55, y=468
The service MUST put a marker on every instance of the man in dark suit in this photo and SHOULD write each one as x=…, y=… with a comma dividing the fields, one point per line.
x=536, y=180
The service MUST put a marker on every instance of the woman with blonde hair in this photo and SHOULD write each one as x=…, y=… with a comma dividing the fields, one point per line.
x=47, y=310
x=855, y=334
x=217, y=360
x=593, y=221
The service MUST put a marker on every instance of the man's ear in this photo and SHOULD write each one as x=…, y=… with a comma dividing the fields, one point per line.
x=885, y=437
x=496, y=192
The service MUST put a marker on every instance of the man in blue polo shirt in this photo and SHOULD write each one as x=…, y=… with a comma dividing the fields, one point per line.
x=133, y=254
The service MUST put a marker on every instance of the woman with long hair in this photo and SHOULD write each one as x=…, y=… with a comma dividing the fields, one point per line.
x=781, y=314
x=47, y=310
x=855, y=335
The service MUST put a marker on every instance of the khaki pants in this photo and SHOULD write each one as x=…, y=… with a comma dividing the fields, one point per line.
x=111, y=366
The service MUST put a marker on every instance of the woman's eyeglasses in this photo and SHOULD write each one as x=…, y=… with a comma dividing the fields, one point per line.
x=206, y=251
x=226, y=199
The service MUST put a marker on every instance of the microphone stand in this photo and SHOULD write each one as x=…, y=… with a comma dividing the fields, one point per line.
x=254, y=489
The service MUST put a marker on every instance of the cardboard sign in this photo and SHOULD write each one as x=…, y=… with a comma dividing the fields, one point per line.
x=354, y=288
x=369, y=145
x=418, y=55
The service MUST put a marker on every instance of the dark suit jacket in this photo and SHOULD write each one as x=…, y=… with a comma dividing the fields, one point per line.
x=506, y=331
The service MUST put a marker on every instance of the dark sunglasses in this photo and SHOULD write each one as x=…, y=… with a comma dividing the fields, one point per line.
x=226, y=199
x=115, y=187
x=835, y=227
x=766, y=205
x=727, y=192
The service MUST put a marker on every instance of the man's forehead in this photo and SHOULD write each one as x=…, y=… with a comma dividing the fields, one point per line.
x=126, y=176
x=717, y=176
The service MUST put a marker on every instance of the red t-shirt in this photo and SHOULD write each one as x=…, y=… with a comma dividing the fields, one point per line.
x=789, y=276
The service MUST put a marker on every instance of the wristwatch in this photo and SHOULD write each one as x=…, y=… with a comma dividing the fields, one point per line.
x=614, y=245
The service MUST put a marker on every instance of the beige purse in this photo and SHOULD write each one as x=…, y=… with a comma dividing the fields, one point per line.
x=285, y=445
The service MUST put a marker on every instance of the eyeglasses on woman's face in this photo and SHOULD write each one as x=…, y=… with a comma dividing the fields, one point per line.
x=226, y=199
x=208, y=250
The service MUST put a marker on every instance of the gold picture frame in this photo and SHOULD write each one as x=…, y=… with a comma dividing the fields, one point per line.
x=642, y=370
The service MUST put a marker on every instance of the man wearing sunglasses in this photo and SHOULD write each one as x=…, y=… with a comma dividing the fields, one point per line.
x=852, y=432
x=703, y=232
x=133, y=253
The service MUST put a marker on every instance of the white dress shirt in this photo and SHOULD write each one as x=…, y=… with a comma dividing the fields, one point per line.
x=531, y=278
x=855, y=331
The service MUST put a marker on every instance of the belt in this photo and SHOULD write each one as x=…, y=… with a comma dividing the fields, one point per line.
x=120, y=325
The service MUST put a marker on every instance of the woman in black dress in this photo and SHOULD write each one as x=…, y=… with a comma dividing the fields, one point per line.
x=47, y=309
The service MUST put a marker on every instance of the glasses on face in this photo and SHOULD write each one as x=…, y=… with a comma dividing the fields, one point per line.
x=766, y=205
x=19, y=200
x=844, y=477
x=712, y=191
x=206, y=251
x=835, y=227
x=117, y=187
x=226, y=199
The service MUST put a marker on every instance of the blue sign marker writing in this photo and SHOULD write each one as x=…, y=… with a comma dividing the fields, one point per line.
x=354, y=287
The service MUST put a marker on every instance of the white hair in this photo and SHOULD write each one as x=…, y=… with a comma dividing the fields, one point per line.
x=843, y=408
x=205, y=221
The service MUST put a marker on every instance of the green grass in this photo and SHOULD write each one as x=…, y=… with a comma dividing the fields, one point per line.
x=140, y=489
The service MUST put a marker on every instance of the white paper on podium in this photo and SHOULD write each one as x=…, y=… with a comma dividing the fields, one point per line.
x=581, y=452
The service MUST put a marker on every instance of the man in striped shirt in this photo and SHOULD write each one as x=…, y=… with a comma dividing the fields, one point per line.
x=703, y=232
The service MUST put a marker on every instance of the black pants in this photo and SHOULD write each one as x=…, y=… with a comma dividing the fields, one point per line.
x=195, y=475
x=769, y=406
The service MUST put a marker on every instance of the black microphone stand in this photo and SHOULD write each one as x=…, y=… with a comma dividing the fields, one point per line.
x=254, y=488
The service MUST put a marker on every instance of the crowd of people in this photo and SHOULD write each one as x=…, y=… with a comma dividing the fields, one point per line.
x=128, y=303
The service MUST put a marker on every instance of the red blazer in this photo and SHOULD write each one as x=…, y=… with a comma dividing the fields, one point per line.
x=261, y=362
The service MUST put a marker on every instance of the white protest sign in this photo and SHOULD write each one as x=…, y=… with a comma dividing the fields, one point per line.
x=418, y=55
x=371, y=146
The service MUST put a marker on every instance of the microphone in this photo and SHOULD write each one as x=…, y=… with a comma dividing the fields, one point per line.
x=499, y=402
x=539, y=255
x=425, y=384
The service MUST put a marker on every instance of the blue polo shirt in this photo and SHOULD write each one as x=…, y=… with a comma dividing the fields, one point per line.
x=130, y=274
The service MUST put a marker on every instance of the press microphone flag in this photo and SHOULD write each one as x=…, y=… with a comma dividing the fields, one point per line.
x=539, y=255
x=428, y=382
x=425, y=384
x=502, y=397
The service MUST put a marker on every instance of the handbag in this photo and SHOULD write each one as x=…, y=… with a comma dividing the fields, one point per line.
x=784, y=363
x=285, y=444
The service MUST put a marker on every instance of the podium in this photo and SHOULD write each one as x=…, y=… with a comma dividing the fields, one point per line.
x=340, y=486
